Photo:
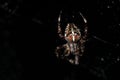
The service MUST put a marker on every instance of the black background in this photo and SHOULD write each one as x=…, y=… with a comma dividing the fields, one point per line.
x=35, y=23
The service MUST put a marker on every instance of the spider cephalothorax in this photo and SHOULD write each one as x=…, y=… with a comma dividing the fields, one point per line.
x=74, y=48
x=72, y=33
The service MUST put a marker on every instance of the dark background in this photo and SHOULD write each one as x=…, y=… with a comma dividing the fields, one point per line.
x=35, y=23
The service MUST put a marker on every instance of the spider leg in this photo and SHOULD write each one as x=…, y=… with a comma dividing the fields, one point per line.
x=85, y=20
x=85, y=26
x=84, y=37
x=67, y=50
x=57, y=52
x=59, y=26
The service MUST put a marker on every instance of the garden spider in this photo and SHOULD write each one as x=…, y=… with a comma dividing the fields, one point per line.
x=74, y=47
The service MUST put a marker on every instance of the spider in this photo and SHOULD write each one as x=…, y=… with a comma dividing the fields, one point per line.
x=74, y=47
